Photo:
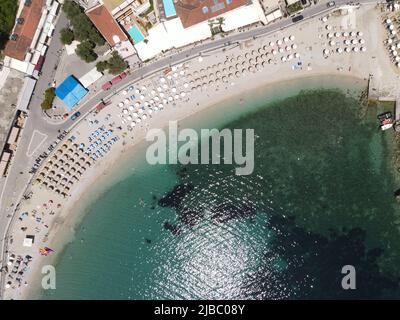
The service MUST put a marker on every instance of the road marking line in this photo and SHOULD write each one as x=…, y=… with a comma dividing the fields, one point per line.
x=29, y=154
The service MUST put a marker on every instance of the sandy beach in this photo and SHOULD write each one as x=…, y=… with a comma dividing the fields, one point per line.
x=296, y=53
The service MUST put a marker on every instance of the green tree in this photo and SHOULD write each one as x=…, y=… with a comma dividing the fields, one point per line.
x=49, y=96
x=85, y=51
x=102, y=66
x=116, y=64
x=8, y=12
x=66, y=36
x=82, y=27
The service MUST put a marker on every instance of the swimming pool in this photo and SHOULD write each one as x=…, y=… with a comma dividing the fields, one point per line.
x=169, y=8
x=135, y=33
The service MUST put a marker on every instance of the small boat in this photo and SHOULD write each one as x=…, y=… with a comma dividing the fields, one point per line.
x=386, y=120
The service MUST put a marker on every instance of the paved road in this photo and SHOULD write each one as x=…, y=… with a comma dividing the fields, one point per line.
x=16, y=181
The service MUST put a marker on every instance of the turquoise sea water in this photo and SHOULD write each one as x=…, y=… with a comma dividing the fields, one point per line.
x=320, y=197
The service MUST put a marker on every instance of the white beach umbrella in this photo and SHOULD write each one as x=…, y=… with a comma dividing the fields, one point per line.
x=279, y=42
x=395, y=53
x=141, y=97
x=140, y=110
x=328, y=27
x=174, y=68
x=388, y=21
x=135, y=114
x=393, y=32
x=137, y=91
x=288, y=48
x=398, y=45
x=200, y=59
x=173, y=90
x=153, y=92
x=294, y=46
x=170, y=98
x=391, y=27
x=286, y=39
x=297, y=55
x=121, y=104
x=165, y=100
x=138, y=120
x=150, y=111
x=169, y=77
x=355, y=49
x=291, y=37
x=347, y=49
x=352, y=34
x=144, y=117
x=126, y=101
x=175, y=75
x=183, y=94
x=337, y=34
x=137, y=104
x=124, y=92
x=181, y=72
x=185, y=85
x=280, y=50
x=361, y=41
x=363, y=49
x=359, y=33
x=274, y=52
x=332, y=43
x=283, y=59
x=162, y=95
x=132, y=124
x=156, y=98
x=162, y=80
x=125, y=111
x=159, y=106
x=345, y=34
x=290, y=57
x=324, y=19
x=271, y=44
x=129, y=118
x=165, y=86
x=354, y=41
x=130, y=108
x=327, y=52
x=330, y=35
x=143, y=88
x=347, y=41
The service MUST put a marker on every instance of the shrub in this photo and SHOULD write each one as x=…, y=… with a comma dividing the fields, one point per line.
x=66, y=36
x=49, y=96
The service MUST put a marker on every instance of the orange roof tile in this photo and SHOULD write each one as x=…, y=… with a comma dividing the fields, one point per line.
x=31, y=15
x=106, y=25
x=192, y=12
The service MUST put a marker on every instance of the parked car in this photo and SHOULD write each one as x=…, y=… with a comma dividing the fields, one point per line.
x=297, y=18
x=75, y=115
x=331, y=4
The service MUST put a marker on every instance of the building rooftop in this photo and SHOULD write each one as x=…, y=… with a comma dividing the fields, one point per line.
x=192, y=12
x=112, y=4
x=106, y=25
x=31, y=14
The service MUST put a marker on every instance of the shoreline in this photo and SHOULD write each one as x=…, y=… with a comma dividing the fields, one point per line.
x=277, y=75
x=99, y=181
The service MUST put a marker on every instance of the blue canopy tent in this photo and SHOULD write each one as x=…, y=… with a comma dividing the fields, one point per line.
x=71, y=91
